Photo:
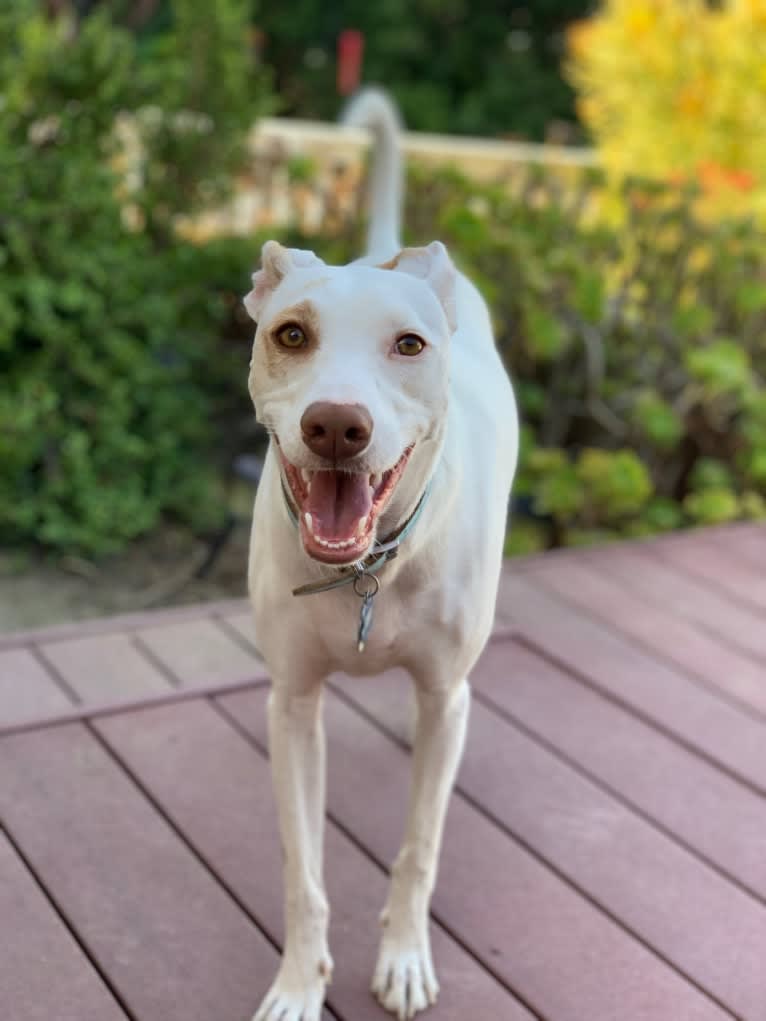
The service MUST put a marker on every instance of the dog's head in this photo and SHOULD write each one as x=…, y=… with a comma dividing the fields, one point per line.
x=350, y=375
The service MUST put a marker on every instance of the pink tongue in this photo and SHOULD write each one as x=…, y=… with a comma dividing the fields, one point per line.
x=336, y=502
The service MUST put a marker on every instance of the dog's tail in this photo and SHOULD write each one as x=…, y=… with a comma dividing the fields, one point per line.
x=371, y=108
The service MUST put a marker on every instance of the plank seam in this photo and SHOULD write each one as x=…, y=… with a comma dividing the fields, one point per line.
x=119, y=624
x=240, y=640
x=151, y=656
x=174, y=695
x=68, y=925
x=57, y=676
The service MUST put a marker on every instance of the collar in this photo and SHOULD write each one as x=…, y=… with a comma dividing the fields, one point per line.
x=380, y=555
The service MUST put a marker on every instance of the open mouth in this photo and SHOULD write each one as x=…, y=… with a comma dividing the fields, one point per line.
x=338, y=510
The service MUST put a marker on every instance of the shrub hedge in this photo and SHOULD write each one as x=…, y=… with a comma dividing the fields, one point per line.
x=106, y=346
x=638, y=351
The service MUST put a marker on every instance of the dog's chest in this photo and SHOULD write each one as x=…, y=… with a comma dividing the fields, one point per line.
x=361, y=636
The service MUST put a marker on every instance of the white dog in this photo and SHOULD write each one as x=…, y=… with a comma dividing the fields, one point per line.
x=393, y=446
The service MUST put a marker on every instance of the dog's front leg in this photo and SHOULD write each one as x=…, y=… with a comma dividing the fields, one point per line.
x=297, y=748
x=404, y=979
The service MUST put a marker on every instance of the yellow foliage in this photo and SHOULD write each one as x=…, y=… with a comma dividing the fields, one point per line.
x=676, y=90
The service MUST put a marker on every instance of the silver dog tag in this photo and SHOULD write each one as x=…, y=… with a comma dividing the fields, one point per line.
x=365, y=621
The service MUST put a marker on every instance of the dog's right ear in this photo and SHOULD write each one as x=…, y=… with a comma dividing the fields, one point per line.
x=276, y=263
x=433, y=265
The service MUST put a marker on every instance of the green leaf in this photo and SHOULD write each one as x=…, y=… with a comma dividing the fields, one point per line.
x=525, y=537
x=545, y=337
x=721, y=367
x=709, y=473
x=712, y=506
x=560, y=493
x=617, y=483
x=658, y=421
x=589, y=295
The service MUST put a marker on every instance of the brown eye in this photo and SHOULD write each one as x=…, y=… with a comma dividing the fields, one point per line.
x=291, y=336
x=410, y=345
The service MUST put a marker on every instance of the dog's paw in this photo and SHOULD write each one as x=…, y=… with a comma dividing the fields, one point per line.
x=290, y=999
x=405, y=981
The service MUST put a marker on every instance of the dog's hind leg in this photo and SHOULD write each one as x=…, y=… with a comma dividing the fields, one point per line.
x=404, y=980
x=297, y=748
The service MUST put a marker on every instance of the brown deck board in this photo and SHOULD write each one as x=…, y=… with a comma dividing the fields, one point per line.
x=708, y=557
x=27, y=690
x=707, y=810
x=243, y=625
x=199, y=652
x=604, y=857
x=747, y=541
x=217, y=789
x=488, y=882
x=680, y=594
x=641, y=876
x=174, y=944
x=103, y=668
x=656, y=690
x=670, y=637
x=43, y=972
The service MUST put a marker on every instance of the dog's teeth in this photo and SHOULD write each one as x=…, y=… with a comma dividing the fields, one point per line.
x=374, y=481
x=309, y=522
x=306, y=476
x=361, y=526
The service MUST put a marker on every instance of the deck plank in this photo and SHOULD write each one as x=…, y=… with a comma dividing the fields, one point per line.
x=680, y=594
x=748, y=541
x=27, y=689
x=241, y=621
x=538, y=933
x=708, y=558
x=173, y=943
x=43, y=972
x=105, y=668
x=217, y=788
x=657, y=888
x=199, y=652
x=703, y=807
x=653, y=689
x=670, y=637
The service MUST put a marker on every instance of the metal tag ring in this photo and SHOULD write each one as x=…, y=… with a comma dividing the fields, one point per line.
x=369, y=592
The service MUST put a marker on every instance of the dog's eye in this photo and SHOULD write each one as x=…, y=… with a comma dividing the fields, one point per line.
x=409, y=345
x=291, y=336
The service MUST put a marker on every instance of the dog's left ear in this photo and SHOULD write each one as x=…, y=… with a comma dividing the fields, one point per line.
x=276, y=263
x=433, y=265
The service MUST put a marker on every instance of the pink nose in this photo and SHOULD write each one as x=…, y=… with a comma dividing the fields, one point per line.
x=336, y=432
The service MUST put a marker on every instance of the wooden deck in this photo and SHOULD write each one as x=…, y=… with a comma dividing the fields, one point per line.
x=605, y=853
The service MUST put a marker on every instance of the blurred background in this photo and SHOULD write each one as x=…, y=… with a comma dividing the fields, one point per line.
x=598, y=168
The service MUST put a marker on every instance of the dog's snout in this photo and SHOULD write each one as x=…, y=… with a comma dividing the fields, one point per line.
x=336, y=432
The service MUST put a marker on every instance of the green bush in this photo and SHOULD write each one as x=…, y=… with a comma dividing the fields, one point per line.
x=107, y=335
x=638, y=352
